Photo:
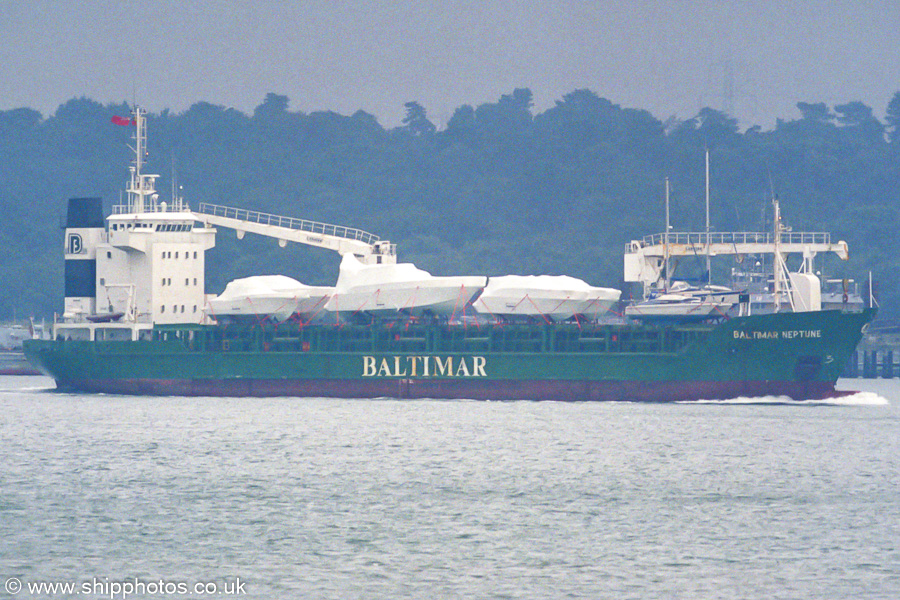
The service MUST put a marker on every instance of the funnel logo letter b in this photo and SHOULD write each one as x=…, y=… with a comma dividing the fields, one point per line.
x=74, y=244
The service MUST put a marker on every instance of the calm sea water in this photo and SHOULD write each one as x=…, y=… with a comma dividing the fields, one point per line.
x=322, y=498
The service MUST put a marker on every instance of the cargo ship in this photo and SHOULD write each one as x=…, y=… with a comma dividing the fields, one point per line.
x=137, y=321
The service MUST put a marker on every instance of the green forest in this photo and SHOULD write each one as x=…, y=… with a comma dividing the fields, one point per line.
x=502, y=189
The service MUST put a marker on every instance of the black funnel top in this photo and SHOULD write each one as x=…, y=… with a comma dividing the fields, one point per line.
x=85, y=213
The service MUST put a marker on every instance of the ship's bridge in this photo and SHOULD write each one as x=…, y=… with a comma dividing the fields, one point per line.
x=132, y=230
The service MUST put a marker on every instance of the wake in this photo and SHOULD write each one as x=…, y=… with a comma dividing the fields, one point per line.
x=854, y=399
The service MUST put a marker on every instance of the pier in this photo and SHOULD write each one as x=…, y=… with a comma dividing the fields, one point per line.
x=873, y=364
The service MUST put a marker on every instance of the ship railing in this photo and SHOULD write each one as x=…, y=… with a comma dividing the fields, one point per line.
x=150, y=207
x=252, y=216
x=700, y=238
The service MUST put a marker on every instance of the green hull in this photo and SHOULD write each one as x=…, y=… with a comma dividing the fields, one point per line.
x=800, y=355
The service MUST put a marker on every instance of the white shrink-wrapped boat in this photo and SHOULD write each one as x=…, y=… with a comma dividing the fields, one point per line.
x=402, y=287
x=273, y=297
x=557, y=297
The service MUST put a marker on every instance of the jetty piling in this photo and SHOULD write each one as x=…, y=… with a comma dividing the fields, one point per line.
x=872, y=364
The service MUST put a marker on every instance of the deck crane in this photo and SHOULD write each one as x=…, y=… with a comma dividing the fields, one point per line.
x=646, y=259
x=367, y=247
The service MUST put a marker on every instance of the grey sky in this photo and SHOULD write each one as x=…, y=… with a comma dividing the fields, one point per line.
x=669, y=57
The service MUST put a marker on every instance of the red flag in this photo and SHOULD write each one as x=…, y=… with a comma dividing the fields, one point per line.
x=123, y=121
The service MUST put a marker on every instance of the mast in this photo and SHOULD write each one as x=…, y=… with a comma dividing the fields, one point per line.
x=776, y=259
x=781, y=284
x=141, y=189
x=708, y=270
x=667, y=237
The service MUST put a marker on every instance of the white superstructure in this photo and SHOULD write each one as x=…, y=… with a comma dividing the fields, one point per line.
x=145, y=267
x=151, y=264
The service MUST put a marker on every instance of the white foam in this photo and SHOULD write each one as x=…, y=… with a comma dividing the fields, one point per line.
x=38, y=388
x=857, y=399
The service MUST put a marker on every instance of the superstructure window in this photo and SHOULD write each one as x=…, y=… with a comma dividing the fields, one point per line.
x=162, y=308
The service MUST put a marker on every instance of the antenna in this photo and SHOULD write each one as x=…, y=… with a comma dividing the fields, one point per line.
x=133, y=79
x=728, y=86
x=173, y=179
